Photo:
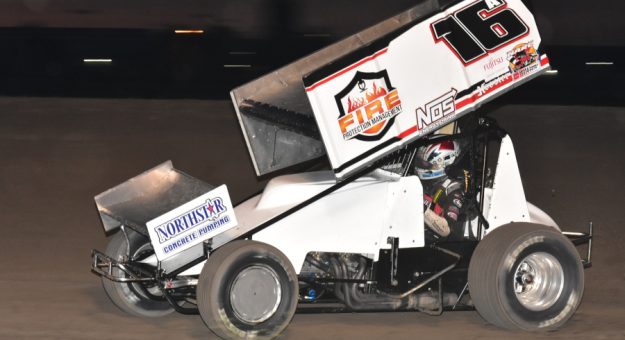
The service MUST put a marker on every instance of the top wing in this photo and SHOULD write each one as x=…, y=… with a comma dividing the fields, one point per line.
x=389, y=85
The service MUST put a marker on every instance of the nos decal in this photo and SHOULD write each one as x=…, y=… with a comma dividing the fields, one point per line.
x=368, y=106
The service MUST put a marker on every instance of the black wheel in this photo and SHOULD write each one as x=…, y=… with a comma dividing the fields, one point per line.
x=139, y=299
x=247, y=289
x=526, y=276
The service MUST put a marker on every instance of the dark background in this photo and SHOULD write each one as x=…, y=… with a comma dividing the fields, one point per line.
x=59, y=150
x=44, y=43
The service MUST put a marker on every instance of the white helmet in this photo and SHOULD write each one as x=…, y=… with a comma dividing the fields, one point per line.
x=433, y=159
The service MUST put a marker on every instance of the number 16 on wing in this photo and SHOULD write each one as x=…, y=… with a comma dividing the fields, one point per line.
x=480, y=28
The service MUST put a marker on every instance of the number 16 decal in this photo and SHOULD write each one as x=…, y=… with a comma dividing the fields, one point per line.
x=477, y=29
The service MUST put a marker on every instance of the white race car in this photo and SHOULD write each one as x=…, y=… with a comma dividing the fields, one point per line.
x=354, y=237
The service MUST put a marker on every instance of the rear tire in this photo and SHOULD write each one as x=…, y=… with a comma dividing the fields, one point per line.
x=133, y=298
x=247, y=289
x=526, y=276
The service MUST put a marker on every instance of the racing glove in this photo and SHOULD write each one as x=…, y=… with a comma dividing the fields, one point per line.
x=436, y=223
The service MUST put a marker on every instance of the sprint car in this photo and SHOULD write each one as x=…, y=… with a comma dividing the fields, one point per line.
x=352, y=237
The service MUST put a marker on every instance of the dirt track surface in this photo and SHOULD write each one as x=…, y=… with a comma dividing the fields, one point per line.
x=58, y=153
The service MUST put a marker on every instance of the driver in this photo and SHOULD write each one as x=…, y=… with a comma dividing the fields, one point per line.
x=443, y=196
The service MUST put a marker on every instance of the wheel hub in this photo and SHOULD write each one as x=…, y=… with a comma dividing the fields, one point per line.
x=527, y=279
x=538, y=281
x=255, y=294
x=143, y=288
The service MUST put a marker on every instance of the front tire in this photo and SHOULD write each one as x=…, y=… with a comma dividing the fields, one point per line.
x=136, y=299
x=247, y=289
x=526, y=276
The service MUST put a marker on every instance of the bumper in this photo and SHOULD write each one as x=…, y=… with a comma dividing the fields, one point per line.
x=581, y=239
x=103, y=265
